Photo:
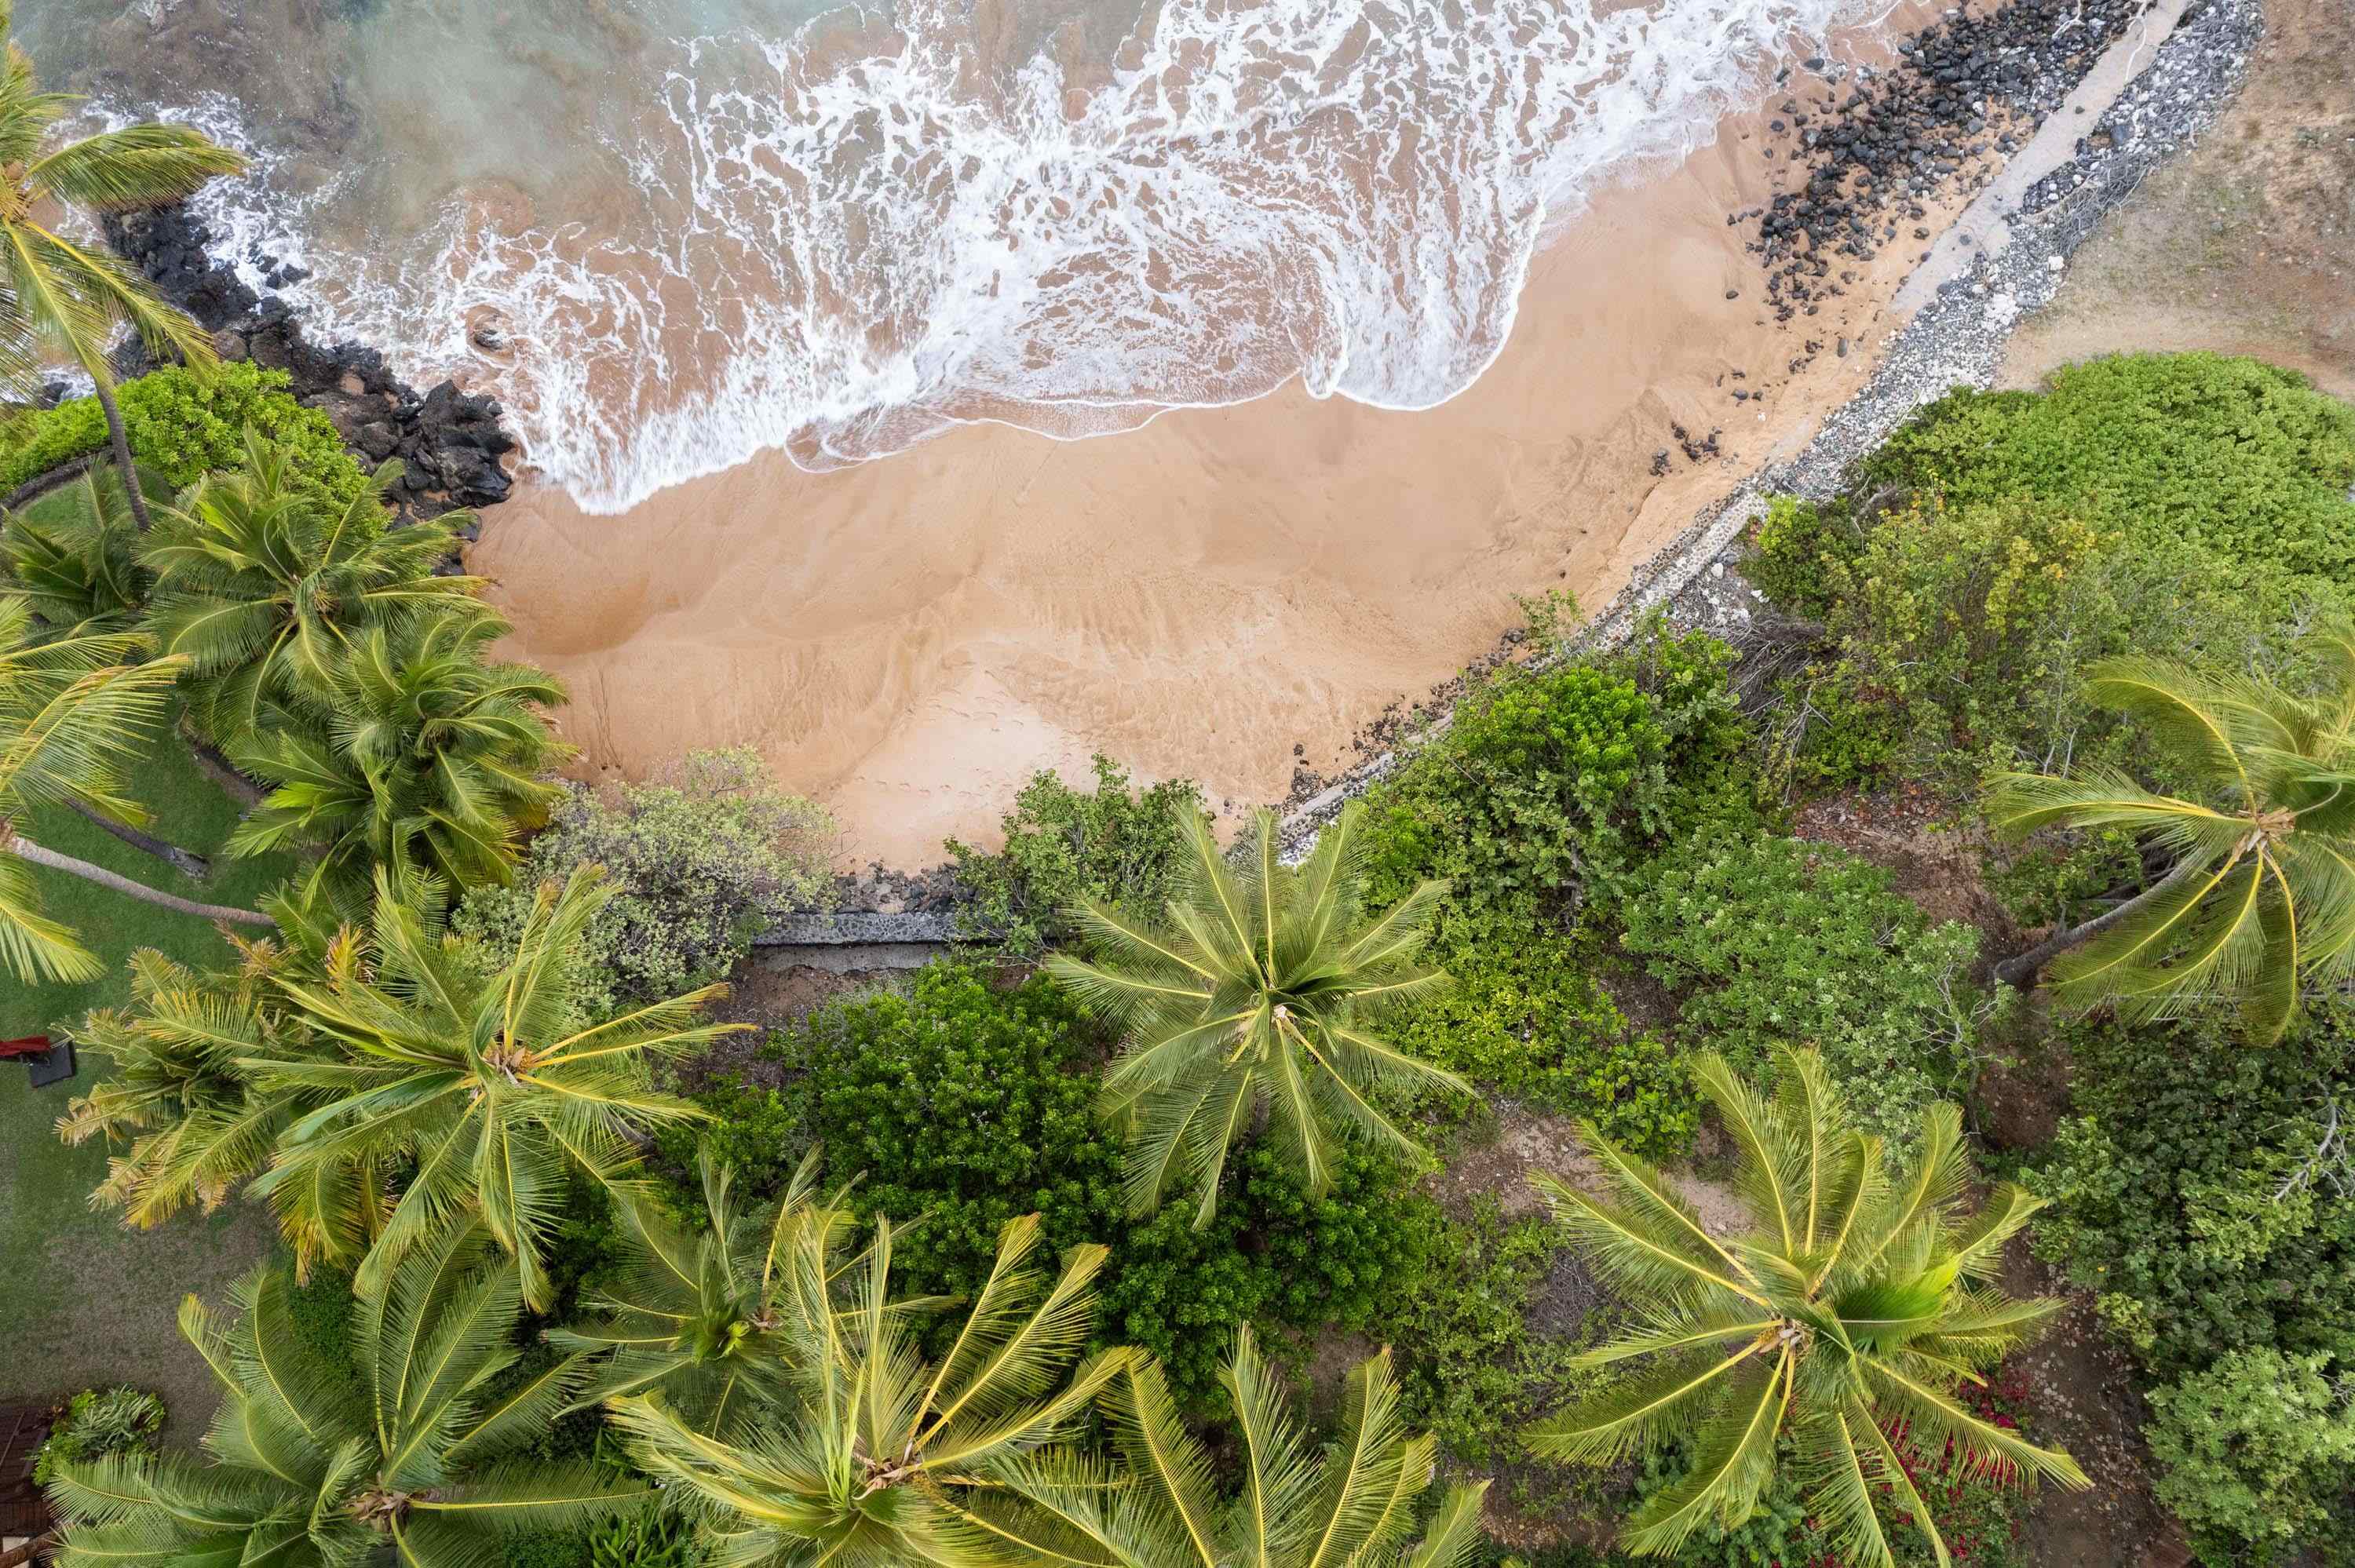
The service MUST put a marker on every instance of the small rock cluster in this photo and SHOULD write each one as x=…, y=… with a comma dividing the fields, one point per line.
x=1964, y=93
x=450, y=442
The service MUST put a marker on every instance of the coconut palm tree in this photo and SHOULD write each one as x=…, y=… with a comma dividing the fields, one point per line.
x=883, y=1457
x=480, y=1080
x=75, y=714
x=698, y=1314
x=193, y=1124
x=1352, y=1502
x=432, y=758
x=74, y=556
x=267, y=588
x=2258, y=899
x=61, y=298
x=1844, y=1314
x=408, y=1454
x=1257, y=1000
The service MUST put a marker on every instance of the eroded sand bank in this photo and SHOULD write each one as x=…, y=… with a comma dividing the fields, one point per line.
x=909, y=639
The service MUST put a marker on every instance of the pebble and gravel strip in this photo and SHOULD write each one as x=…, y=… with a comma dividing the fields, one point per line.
x=2016, y=80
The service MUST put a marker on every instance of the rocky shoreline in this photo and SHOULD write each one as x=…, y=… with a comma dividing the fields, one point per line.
x=1965, y=106
x=450, y=442
x=2170, y=67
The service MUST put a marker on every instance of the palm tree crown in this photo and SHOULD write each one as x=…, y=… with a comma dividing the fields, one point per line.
x=75, y=714
x=1854, y=1303
x=432, y=759
x=74, y=556
x=59, y=297
x=698, y=1315
x=882, y=1459
x=195, y=1124
x=2260, y=899
x=395, y=1459
x=1258, y=994
x=488, y=1084
x=1351, y=1504
x=266, y=587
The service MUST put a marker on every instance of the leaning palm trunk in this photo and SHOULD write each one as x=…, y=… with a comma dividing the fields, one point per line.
x=188, y=862
x=16, y=843
x=2258, y=906
x=2021, y=970
x=119, y=438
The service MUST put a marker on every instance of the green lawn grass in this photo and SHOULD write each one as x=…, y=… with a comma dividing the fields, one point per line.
x=86, y=1300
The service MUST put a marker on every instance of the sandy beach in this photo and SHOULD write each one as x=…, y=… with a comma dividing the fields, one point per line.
x=907, y=640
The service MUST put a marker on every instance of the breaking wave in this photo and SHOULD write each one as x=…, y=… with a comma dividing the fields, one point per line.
x=844, y=240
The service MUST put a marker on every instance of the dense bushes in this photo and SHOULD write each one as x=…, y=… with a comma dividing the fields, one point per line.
x=1065, y=845
x=1774, y=941
x=1532, y=1022
x=2243, y=460
x=2254, y=1448
x=966, y=1104
x=1536, y=805
x=99, y=1422
x=1473, y=1373
x=707, y=857
x=2002, y=542
x=1273, y=1255
x=185, y=426
x=2194, y=1196
x=958, y=1102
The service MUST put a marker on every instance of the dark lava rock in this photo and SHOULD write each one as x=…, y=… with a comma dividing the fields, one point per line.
x=448, y=442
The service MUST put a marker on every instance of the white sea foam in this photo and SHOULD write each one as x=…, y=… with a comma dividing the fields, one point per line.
x=843, y=241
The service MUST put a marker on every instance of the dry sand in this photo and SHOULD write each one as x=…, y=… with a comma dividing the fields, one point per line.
x=909, y=639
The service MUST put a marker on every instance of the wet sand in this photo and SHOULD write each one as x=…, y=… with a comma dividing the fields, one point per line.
x=908, y=640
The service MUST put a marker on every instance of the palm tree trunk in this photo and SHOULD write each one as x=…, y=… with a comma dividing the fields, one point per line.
x=122, y=463
x=188, y=862
x=2020, y=972
x=19, y=844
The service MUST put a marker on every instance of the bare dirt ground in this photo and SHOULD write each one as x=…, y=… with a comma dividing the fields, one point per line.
x=2245, y=246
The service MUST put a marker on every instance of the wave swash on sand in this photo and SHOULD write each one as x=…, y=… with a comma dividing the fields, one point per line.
x=838, y=243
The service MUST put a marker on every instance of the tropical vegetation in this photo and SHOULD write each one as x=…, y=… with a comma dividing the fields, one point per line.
x=1854, y=1301
x=64, y=298
x=2252, y=892
x=1004, y=1262
x=1257, y=999
x=412, y=1452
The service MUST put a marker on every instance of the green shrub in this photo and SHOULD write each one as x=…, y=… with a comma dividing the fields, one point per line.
x=1531, y=1021
x=185, y=426
x=1063, y=845
x=99, y=1422
x=1272, y=1255
x=1471, y=1370
x=2243, y=460
x=1777, y=941
x=1546, y=783
x=961, y=1103
x=965, y=1105
x=2186, y=507
x=2251, y=1450
x=1797, y=546
x=707, y=858
x=2187, y=1195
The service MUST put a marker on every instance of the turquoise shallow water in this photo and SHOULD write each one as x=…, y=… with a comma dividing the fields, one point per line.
x=696, y=228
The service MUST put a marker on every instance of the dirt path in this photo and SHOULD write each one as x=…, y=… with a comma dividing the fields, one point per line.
x=2245, y=245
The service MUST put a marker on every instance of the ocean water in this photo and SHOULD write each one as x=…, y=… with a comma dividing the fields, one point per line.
x=671, y=233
